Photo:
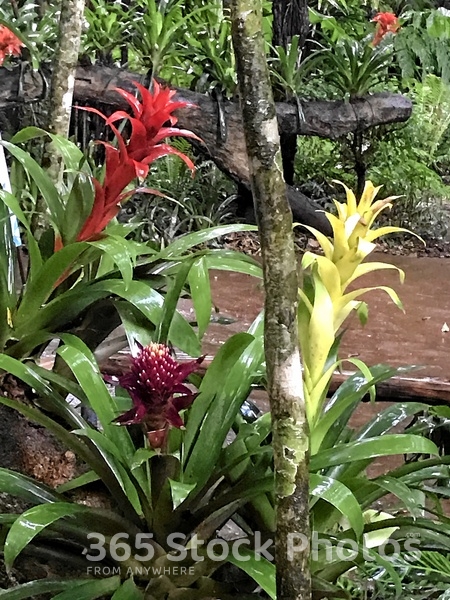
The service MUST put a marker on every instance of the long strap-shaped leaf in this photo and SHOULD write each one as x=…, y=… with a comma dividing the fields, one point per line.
x=42, y=180
x=74, y=586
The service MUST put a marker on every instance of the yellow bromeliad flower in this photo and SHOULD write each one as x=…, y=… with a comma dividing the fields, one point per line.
x=325, y=301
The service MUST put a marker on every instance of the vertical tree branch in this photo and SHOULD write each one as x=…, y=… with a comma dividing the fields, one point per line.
x=290, y=433
x=61, y=91
x=64, y=66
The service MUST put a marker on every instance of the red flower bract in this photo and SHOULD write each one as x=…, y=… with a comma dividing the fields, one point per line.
x=155, y=384
x=386, y=22
x=10, y=45
x=131, y=159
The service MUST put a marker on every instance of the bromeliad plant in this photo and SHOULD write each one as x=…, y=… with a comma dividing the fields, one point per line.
x=131, y=160
x=82, y=261
x=354, y=67
x=342, y=492
x=182, y=491
x=80, y=269
x=156, y=386
x=10, y=45
x=326, y=300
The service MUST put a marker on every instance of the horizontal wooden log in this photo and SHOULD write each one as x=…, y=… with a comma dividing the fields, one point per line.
x=396, y=389
x=95, y=85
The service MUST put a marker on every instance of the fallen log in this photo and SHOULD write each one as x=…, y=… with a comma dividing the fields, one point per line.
x=226, y=146
x=429, y=390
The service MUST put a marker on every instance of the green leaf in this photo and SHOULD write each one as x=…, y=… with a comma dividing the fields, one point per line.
x=89, y=590
x=136, y=325
x=83, y=365
x=41, y=586
x=122, y=252
x=42, y=180
x=340, y=407
x=45, y=282
x=71, y=154
x=119, y=469
x=379, y=425
x=102, y=441
x=259, y=569
x=32, y=522
x=35, y=255
x=411, y=498
x=166, y=325
x=128, y=591
x=184, y=243
x=371, y=448
x=213, y=382
x=77, y=208
x=227, y=260
x=64, y=308
x=389, y=418
x=141, y=456
x=77, y=482
x=200, y=287
x=225, y=386
x=27, y=488
x=180, y=491
x=150, y=303
x=340, y=497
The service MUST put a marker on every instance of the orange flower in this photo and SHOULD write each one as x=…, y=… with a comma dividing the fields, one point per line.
x=386, y=22
x=10, y=45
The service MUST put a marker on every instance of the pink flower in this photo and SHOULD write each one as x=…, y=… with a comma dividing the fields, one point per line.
x=10, y=45
x=155, y=384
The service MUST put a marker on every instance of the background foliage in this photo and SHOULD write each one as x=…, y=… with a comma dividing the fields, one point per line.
x=189, y=45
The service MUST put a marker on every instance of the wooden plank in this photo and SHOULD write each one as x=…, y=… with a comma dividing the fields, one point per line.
x=415, y=389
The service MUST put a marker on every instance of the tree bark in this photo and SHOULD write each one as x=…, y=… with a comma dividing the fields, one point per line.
x=284, y=377
x=64, y=66
x=290, y=17
x=61, y=90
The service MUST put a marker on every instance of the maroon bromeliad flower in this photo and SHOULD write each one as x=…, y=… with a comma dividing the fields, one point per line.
x=155, y=384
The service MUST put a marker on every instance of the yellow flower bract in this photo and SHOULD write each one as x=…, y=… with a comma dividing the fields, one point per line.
x=327, y=304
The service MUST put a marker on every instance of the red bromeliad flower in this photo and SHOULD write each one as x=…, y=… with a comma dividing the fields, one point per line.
x=119, y=173
x=386, y=22
x=155, y=384
x=148, y=123
x=10, y=45
x=132, y=160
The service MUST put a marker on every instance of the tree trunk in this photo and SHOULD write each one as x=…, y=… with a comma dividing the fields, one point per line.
x=61, y=93
x=64, y=66
x=284, y=376
x=290, y=17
